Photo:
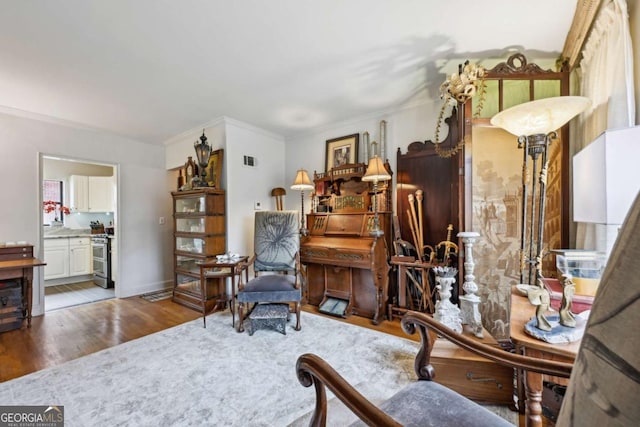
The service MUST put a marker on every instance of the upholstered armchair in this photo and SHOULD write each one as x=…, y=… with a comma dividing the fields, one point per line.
x=276, y=264
x=604, y=383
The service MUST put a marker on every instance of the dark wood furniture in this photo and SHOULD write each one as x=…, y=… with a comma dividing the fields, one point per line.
x=413, y=404
x=530, y=384
x=345, y=262
x=411, y=273
x=441, y=180
x=17, y=263
x=214, y=275
x=199, y=235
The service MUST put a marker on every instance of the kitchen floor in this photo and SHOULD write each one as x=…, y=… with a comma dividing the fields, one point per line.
x=72, y=294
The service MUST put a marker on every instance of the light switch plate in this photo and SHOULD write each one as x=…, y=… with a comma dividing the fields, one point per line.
x=257, y=206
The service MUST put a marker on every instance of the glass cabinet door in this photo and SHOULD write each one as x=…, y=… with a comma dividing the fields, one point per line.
x=194, y=245
x=190, y=225
x=190, y=204
x=189, y=264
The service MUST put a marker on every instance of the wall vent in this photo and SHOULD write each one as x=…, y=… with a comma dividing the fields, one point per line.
x=250, y=161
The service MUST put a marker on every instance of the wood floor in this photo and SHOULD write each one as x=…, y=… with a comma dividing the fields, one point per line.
x=63, y=335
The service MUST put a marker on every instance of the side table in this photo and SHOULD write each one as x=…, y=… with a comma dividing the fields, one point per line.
x=220, y=270
x=530, y=383
x=17, y=262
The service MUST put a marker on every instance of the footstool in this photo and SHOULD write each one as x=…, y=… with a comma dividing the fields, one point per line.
x=269, y=316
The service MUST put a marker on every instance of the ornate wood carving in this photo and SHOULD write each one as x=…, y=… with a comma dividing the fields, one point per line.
x=516, y=64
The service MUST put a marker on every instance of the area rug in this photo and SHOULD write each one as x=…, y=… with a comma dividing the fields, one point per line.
x=189, y=375
x=158, y=295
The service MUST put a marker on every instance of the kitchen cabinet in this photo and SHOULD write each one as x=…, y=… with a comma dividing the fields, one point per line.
x=91, y=193
x=79, y=256
x=56, y=255
x=67, y=257
x=79, y=193
x=199, y=225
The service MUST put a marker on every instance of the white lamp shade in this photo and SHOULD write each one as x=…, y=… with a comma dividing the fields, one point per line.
x=541, y=116
x=302, y=181
x=606, y=177
x=376, y=171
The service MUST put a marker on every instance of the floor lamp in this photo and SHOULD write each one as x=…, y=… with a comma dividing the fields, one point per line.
x=535, y=124
x=301, y=183
x=376, y=172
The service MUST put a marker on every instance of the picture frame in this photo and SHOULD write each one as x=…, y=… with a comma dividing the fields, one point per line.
x=214, y=169
x=341, y=151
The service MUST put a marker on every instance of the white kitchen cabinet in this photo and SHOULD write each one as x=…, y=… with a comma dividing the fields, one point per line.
x=67, y=257
x=79, y=193
x=80, y=256
x=56, y=255
x=91, y=193
x=100, y=194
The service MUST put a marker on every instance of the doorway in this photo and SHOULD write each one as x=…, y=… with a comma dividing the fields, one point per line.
x=79, y=208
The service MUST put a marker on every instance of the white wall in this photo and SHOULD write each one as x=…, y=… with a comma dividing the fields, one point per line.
x=247, y=185
x=404, y=126
x=143, y=197
x=243, y=185
x=179, y=148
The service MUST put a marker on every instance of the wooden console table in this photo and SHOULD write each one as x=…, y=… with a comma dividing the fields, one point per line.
x=17, y=262
x=530, y=383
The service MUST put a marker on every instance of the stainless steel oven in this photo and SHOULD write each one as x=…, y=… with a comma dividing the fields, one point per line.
x=101, y=248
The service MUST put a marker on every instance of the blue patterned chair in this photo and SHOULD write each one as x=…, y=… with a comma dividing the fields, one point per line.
x=276, y=264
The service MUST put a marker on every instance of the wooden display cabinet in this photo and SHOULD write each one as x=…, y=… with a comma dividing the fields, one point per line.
x=199, y=224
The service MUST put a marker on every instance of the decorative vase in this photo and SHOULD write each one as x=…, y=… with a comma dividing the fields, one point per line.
x=446, y=312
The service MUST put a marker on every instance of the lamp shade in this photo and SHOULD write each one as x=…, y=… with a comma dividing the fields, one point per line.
x=540, y=116
x=606, y=177
x=376, y=171
x=302, y=181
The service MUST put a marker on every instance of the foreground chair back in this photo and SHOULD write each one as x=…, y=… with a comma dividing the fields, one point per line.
x=276, y=263
x=604, y=385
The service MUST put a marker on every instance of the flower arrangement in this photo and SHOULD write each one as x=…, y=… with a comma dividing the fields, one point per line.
x=459, y=88
x=51, y=206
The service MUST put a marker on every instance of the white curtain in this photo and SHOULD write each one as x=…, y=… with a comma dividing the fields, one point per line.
x=607, y=79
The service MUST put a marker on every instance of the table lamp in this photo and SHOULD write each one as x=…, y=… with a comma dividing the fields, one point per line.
x=606, y=180
x=302, y=182
x=376, y=172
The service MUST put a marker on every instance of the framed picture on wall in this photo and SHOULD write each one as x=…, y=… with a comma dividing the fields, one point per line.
x=214, y=169
x=341, y=151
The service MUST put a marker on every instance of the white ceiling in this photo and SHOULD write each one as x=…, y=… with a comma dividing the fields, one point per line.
x=153, y=69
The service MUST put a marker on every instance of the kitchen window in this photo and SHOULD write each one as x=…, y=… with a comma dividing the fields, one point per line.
x=52, y=190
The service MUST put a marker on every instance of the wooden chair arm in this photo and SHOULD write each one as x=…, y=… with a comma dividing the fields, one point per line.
x=428, y=328
x=243, y=267
x=312, y=369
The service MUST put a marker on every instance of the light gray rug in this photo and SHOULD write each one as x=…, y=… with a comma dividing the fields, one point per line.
x=188, y=375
